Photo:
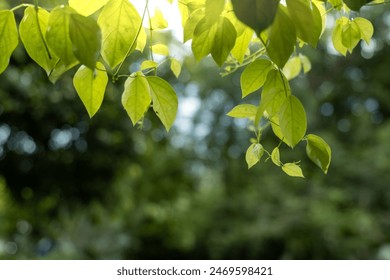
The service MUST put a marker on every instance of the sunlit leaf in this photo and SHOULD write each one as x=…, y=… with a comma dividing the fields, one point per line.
x=90, y=86
x=160, y=49
x=86, y=39
x=87, y=7
x=350, y=35
x=275, y=156
x=306, y=64
x=32, y=31
x=253, y=154
x=191, y=23
x=119, y=22
x=147, y=64
x=318, y=151
x=366, y=28
x=158, y=20
x=292, y=169
x=214, y=8
x=243, y=111
x=136, y=97
x=292, y=120
x=203, y=39
x=225, y=38
x=8, y=38
x=175, y=67
x=254, y=76
x=337, y=35
x=164, y=100
x=242, y=44
x=292, y=68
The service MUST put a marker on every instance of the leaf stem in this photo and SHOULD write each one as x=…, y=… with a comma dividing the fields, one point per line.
x=151, y=34
x=21, y=6
x=133, y=43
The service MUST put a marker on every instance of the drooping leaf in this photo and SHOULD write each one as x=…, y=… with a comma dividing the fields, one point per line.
x=203, y=38
x=191, y=23
x=58, y=38
x=350, y=35
x=175, y=67
x=282, y=38
x=292, y=169
x=303, y=16
x=275, y=91
x=214, y=8
x=136, y=97
x=225, y=38
x=318, y=151
x=164, y=100
x=86, y=39
x=253, y=154
x=243, y=111
x=337, y=35
x=292, y=120
x=160, y=49
x=32, y=31
x=275, y=156
x=8, y=38
x=254, y=76
x=119, y=22
x=87, y=7
x=365, y=27
x=306, y=64
x=242, y=43
x=90, y=86
x=257, y=14
x=158, y=20
x=356, y=4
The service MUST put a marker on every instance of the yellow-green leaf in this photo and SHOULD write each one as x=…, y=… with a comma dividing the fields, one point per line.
x=306, y=64
x=158, y=21
x=136, y=96
x=87, y=7
x=203, y=38
x=243, y=111
x=147, y=64
x=254, y=154
x=292, y=68
x=292, y=120
x=214, y=8
x=275, y=156
x=160, y=49
x=8, y=38
x=292, y=169
x=119, y=22
x=366, y=28
x=90, y=86
x=318, y=151
x=240, y=48
x=86, y=39
x=337, y=35
x=254, y=76
x=32, y=31
x=175, y=67
x=191, y=23
x=164, y=100
x=225, y=38
x=351, y=35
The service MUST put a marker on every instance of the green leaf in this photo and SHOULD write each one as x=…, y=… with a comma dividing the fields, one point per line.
x=86, y=39
x=8, y=38
x=191, y=23
x=318, y=151
x=136, y=96
x=275, y=156
x=292, y=68
x=338, y=4
x=254, y=76
x=164, y=100
x=356, y=4
x=225, y=38
x=243, y=111
x=203, y=39
x=282, y=38
x=158, y=21
x=87, y=7
x=32, y=31
x=90, y=86
x=257, y=14
x=254, y=154
x=351, y=35
x=160, y=49
x=119, y=22
x=175, y=67
x=302, y=15
x=292, y=169
x=337, y=35
x=276, y=90
x=58, y=38
x=365, y=27
x=214, y=8
x=241, y=46
x=292, y=120
x=306, y=64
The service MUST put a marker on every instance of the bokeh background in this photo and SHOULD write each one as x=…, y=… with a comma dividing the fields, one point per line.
x=75, y=188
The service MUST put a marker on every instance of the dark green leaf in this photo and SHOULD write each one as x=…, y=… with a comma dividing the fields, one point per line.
x=356, y=4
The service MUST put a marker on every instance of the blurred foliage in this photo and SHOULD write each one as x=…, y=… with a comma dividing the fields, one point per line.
x=74, y=188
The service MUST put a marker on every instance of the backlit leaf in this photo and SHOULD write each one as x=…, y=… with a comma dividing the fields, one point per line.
x=8, y=38
x=243, y=111
x=337, y=35
x=119, y=22
x=350, y=35
x=318, y=151
x=292, y=169
x=160, y=49
x=275, y=156
x=158, y=21
x=87, y=7
x=366, y=28
x=292, y=68
x=292, y=120
x=203, y=39
x=242, y=43
x=225, y=38
x=164, y=100
x=191, y=24
x=254, y=76
x=254, y=154
x=32, y=31
x=175, y=67
x=136, y=96
x=90, y=86
x=86, y=39
x=214, y=8
x=147, y=64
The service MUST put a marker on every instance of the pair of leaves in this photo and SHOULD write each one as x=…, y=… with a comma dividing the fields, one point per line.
x=141, y=91
x=291, y=168
x=347, y=33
